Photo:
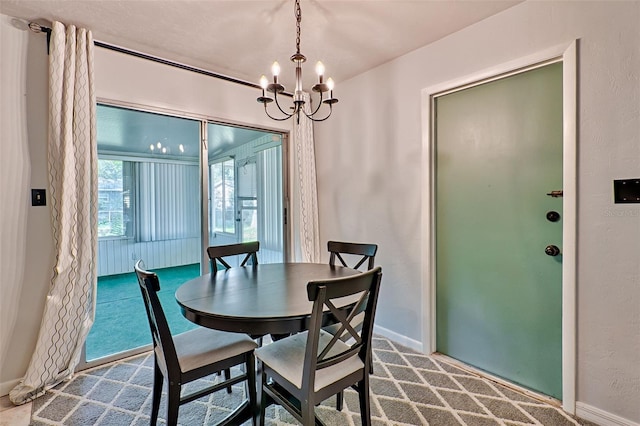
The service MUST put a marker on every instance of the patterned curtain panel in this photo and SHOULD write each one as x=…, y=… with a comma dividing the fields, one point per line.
x=72, y=161
x=304, y=191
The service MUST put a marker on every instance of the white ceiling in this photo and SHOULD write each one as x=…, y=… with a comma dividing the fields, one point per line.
x=131, y=133
x=241, y=38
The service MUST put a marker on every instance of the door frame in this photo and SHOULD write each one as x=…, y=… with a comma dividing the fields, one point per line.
x=567, y=54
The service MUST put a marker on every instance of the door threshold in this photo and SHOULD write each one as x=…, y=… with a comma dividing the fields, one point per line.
x=498, y=380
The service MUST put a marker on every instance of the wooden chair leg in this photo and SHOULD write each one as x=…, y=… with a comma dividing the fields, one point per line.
x=308, y=413
x=339, y=400
x=261, y=396
x=365, y=408
x=158, y=380
x=173, y=404
x=250, y=368
x=227, y=376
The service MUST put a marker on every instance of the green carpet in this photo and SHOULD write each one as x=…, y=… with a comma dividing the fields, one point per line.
x=121, y=323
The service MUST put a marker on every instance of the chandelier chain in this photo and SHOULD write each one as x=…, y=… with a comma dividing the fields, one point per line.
x=298, y=13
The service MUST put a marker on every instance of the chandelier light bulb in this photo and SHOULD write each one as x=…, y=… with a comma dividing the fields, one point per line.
x=181, y=147
x=151, y=147
x=275, y=69
x=264, y=82
x=330, y=84
x=320, y=69
x=159, y=145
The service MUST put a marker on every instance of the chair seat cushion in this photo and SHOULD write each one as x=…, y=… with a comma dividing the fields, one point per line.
x=286, y=356
x=203, y=346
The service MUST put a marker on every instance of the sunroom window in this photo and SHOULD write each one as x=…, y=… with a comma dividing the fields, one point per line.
x=114, y=198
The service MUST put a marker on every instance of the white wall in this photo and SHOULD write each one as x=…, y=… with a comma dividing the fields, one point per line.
x=121, y=77
x=26, y=242
x=369, y=173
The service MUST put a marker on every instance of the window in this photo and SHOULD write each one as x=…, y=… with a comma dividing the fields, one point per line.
x=114, y=198
x=222, y=180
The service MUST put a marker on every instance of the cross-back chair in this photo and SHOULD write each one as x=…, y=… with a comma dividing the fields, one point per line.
x=362, y=252
x=216, y=260
x=192, y=355
x=218, y=253
x=358, y=255
x=304, y=369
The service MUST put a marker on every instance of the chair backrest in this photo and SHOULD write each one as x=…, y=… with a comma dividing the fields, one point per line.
x=217, y=253
x=163, y=346
x=366, y=287
x=366, y=253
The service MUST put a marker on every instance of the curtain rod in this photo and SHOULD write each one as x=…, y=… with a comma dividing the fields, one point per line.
x=37, y=28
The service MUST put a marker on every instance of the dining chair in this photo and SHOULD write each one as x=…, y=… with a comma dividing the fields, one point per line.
x=359, y=254
x=192, y=355
x=362, y=252
x=304, y=369
x=216, y=259
x=218, y=253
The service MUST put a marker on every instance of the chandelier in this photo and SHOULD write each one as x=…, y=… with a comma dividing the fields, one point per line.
x=298, y=100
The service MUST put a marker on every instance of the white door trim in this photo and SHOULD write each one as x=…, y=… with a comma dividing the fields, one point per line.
x=567, y=54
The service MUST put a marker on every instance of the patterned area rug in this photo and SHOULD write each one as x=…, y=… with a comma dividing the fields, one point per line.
x=407, y=388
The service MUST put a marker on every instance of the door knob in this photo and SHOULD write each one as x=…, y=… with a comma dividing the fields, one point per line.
x=553, y=216
x=552, y=250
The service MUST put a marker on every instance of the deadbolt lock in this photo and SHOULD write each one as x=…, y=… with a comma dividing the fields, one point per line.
x=552, y=250
x=553, y=216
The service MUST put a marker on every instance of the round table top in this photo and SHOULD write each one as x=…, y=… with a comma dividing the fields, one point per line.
x=257, y=300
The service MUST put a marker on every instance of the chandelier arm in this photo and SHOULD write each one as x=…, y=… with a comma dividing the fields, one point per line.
x=275, y=98
x=276, y=118
x=312, y=118
x=317, y=108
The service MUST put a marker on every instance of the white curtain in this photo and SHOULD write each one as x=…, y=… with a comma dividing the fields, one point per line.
x=304, y=192
x=72, y=162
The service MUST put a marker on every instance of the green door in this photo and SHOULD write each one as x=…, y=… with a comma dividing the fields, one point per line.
x=498, y=294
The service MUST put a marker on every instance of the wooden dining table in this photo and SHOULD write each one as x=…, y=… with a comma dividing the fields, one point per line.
x=257, y=300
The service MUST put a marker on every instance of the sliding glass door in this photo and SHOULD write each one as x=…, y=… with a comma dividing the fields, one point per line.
x=245, y=189
x=152, y=186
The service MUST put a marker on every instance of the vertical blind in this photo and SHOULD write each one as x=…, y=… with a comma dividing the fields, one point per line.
x=166, y=200
x=270, y=232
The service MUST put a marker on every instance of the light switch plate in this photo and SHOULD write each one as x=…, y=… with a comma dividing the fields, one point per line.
x=38, y=197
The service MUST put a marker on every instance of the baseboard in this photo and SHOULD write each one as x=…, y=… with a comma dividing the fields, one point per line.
x=601, y=417
x=5, y=387
x=399, y=338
